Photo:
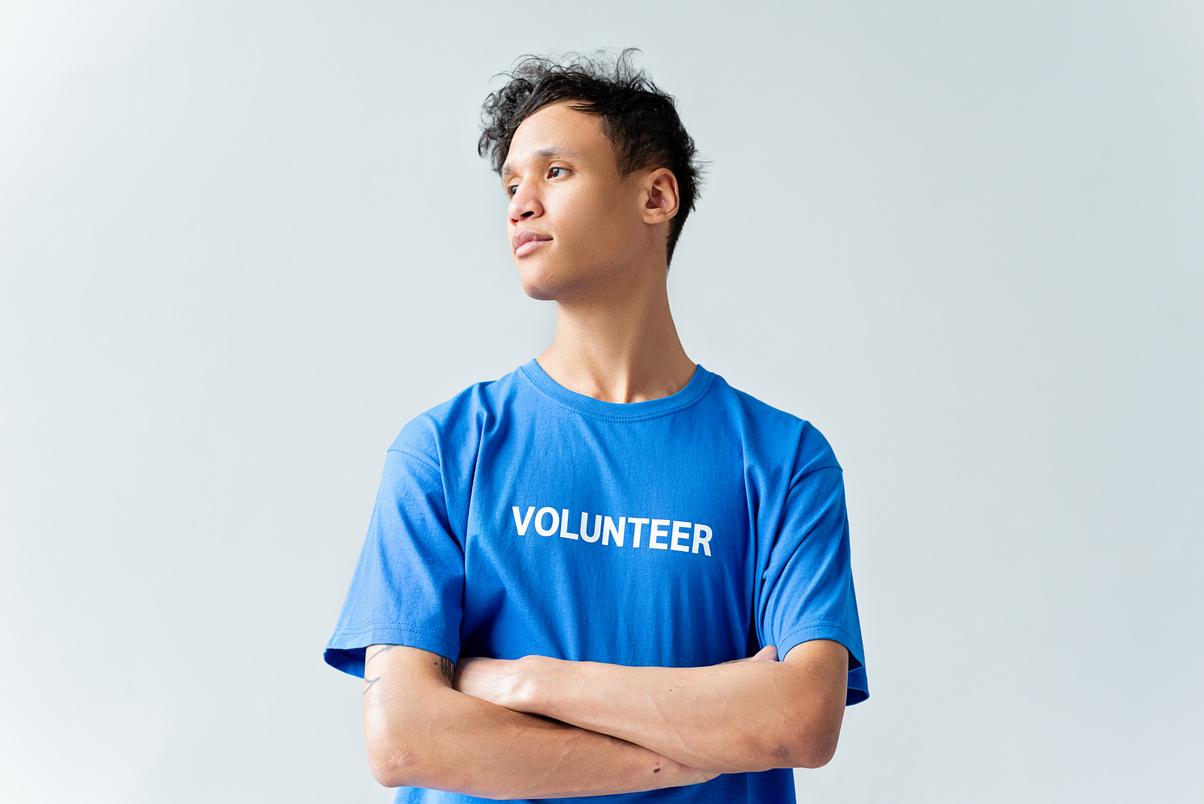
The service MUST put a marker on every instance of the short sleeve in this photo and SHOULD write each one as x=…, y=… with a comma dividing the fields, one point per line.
x=408, y=587
x=807, y=585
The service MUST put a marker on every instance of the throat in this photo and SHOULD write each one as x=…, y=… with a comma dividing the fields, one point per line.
x=620, y=352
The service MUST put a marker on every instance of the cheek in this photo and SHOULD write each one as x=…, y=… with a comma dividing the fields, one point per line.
x=577, y=210
x=603, y=213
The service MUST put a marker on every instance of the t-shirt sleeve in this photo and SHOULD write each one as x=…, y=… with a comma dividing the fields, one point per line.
x=807, y=585
x=409, y=583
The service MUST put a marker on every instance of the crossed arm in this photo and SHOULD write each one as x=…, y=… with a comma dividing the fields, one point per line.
x=612, y=728
x=423, y=733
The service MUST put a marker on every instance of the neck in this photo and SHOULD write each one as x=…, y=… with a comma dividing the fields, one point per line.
x=619, y=352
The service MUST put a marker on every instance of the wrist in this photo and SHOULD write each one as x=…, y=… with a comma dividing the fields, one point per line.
x=537, y=674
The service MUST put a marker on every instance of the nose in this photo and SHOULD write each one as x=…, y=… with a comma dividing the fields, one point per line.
x=524, y=203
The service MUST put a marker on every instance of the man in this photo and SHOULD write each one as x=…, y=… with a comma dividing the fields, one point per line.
x=608, y=571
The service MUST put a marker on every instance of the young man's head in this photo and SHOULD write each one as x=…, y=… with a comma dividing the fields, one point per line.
x=639, y=121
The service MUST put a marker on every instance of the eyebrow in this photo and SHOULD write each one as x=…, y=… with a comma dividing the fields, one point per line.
x=548, y=152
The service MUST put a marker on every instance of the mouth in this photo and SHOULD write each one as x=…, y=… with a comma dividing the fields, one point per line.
x=524, y=243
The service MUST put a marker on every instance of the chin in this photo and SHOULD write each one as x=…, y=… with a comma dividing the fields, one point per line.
x=539, y=292
x=537, y=285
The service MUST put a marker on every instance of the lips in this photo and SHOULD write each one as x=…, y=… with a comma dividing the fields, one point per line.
x=524, y=243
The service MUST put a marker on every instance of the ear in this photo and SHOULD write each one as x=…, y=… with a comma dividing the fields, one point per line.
x=660, y=196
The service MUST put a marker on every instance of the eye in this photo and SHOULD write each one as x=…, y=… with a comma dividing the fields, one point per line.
x=556, y=172
x=511, y=190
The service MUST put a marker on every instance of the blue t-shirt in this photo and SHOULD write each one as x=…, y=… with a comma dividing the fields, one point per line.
x=522, y=518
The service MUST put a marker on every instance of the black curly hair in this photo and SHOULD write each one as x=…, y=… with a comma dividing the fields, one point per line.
x=639, y=119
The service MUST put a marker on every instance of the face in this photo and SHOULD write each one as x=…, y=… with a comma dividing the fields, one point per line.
x=575, y=224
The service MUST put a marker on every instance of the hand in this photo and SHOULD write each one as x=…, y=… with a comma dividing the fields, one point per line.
x=769, y=653
x=505, y=682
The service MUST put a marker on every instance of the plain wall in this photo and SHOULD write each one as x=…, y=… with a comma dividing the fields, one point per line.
x=241, y=244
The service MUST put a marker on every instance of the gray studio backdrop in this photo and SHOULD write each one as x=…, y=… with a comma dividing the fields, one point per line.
x=241, y=244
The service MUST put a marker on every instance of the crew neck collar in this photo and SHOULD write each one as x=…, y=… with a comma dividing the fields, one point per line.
x=689, y=395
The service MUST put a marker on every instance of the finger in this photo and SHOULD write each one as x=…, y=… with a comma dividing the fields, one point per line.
x=769, y=653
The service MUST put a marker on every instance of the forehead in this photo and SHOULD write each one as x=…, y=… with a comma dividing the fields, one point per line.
x=559, y=131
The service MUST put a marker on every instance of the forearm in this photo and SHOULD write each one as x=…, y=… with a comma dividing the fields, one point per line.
x=740, y=716
x=446, y=740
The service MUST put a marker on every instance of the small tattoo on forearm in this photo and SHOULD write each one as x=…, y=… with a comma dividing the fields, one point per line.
x=447, y=668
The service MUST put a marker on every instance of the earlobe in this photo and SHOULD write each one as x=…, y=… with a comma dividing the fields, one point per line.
x=661, y=200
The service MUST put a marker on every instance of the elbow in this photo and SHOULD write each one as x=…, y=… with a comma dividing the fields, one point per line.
x=398, y=756
x=812, y=748
x=394, y=755
x=816, y=754
x=393, y=766
x=815, y=731
x=397, y=765
x=791, y=748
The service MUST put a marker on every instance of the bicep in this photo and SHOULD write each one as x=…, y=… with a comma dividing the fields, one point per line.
x=403, y=667
x=820, y=670
x=808, y=591
x=401, y=685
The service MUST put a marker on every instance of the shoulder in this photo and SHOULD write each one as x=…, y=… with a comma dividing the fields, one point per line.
x=776, y=436
x=457, y=424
